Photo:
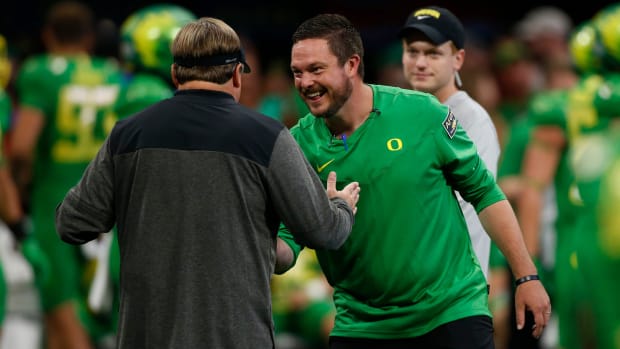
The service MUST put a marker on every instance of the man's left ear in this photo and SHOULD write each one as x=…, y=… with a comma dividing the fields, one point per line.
x=353, y=64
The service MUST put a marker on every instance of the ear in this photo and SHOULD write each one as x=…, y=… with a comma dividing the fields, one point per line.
x=353, y=65
x=459, y=59
x=237, y=75
x=173, y=75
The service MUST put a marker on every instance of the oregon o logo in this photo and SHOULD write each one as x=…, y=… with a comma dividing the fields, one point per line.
x=395, y=144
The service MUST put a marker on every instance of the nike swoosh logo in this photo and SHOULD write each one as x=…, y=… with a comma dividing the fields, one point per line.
x=320, y=169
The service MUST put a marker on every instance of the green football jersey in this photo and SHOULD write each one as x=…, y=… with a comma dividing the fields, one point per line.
x=76, y=96
x=140, y=91
x=596, y=163
x=550, y=109
x=607, y=98
x=594, y=150
x=598, y=174
x=574, y=111
x=408, y=265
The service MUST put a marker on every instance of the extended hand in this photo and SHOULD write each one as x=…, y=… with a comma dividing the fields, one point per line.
x=350, y=193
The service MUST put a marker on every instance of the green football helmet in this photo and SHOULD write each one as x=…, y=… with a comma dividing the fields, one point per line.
x=147, y=34
x=607, y=22
x=586, y=49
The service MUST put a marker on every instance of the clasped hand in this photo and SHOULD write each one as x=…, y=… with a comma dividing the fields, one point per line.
x=350, y=193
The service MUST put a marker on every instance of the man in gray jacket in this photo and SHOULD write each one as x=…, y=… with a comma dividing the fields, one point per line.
x=197, y=186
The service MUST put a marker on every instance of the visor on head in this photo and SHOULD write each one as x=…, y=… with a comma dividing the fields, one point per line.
x=214, y=60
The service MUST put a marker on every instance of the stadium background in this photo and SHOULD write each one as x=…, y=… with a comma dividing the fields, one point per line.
x=270, y=23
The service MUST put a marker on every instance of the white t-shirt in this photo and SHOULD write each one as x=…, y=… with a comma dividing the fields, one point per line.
x=480, y=128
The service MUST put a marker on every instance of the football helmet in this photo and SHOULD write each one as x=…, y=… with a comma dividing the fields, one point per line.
x=147, y=35
x=586, y=49
x=607, y=21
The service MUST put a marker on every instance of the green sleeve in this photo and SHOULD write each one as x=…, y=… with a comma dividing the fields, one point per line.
x=33, y=85
x=466, y=171
x=548, y=109
x=287, y=237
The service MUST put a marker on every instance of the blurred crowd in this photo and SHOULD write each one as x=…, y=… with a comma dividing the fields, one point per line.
x=550, y=85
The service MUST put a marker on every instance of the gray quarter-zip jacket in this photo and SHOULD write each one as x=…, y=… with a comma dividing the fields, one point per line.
x=197, y=186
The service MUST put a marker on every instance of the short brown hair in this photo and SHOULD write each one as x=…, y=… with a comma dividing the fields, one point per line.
x=203, y=38
x=70, y=21
x=343, y=39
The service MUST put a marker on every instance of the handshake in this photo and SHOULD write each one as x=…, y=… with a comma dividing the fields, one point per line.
x=350, y=193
